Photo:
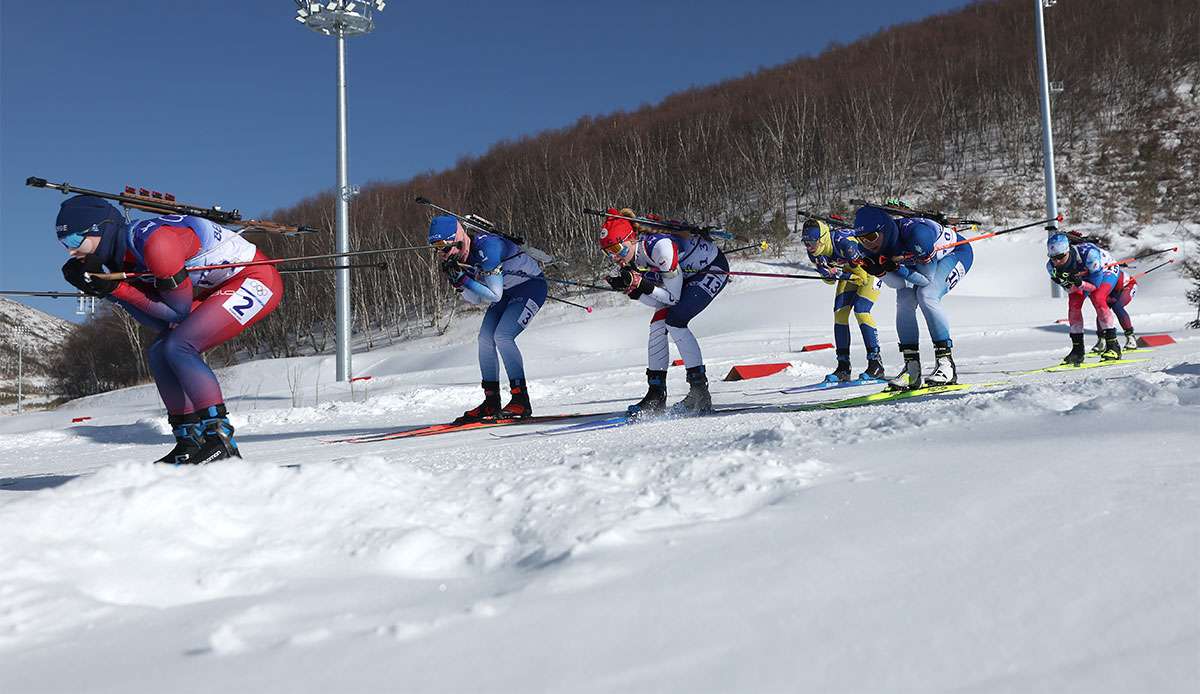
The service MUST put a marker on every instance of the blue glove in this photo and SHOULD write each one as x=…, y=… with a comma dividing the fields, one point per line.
x=914, y=277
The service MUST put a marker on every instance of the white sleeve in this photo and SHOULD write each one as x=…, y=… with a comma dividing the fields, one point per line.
x=664, y=258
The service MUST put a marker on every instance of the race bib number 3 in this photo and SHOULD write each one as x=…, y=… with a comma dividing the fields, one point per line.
x=527, y=314
x=248, y=300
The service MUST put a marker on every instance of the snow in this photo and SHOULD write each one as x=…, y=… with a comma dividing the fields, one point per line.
x=1038, y=534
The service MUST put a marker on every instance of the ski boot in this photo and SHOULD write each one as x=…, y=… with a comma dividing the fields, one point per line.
x=1075, y=356
x=841, y=374
x=218, y=442
x=909, y=377
x=698, y=400
x=518, y=407
x=1130, y=339
x=1100, y=345
x=188, y=436
x=874, y=371
x=488, y=409
x=656, y=396
x=1112, y=348
x=945, y=373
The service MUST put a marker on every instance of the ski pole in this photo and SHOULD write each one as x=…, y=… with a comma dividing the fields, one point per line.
x=980, y=237
x=51, y=295
x=1142, y=256
x=561, y=281
x=274, y=261
x=322, y=268
x=1147, y=272
x=761, y=245
x=569, y=303
x=775, y=274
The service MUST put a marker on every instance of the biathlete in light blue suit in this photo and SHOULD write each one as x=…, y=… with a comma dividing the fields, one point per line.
x=915, y=257
x=491, y=269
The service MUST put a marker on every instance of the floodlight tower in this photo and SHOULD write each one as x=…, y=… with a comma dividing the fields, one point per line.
x=341, y=18
x=1047, y=126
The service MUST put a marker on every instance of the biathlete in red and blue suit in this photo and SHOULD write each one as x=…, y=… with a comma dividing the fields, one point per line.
x=677, y=276
x=192, y=310
x=1086, y=271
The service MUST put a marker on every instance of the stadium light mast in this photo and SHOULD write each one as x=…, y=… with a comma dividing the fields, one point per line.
x=340, y=19
x=1047, y=127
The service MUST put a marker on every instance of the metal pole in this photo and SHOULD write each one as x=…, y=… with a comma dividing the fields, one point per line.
x=1047, y=130
x=342, y=239
x=20, y=368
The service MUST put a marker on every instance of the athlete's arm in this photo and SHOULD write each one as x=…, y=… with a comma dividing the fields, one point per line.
x=664, y=258
x=165, y=253
x=490, y=269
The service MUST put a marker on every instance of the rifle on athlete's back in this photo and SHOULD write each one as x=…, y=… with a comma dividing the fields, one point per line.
x=165, y=203
x=902, y=210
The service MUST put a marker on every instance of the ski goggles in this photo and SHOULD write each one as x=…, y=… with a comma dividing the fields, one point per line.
x=72, y=241
x=1060, y=257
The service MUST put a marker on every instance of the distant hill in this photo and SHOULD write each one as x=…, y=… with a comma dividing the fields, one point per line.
x=45, y=333
x=943, y=112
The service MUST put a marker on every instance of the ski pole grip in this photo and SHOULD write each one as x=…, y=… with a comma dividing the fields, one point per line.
x=36, y=182
x=422, y=200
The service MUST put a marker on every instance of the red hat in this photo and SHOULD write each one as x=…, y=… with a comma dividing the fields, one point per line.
x=615, y=230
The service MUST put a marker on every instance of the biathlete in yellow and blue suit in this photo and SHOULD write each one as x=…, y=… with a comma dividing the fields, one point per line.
x=837, y=255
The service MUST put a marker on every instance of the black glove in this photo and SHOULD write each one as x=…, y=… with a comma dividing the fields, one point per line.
x=73, y=272
x=454, y=272
x=621, y=282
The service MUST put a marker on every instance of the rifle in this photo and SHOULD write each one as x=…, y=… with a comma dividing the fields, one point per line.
x=834, y=221
x=938, y=217
x=165, y=203
x=708, y=232
x=52, y=295
x=486, y=226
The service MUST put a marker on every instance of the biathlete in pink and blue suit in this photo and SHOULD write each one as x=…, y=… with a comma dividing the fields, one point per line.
x=1086, y=271
x=192, y=310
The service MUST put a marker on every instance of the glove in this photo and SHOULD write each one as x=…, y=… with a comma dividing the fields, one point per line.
x=73, y=272
x=454, y=273
x=621, y=282
x=635, y=284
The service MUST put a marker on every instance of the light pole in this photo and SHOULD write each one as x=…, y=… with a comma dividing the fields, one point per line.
x=339, y=19
x=19, y=332
x=1047, y=128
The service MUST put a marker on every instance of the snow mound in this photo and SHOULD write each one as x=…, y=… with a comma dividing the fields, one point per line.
x=145, y=536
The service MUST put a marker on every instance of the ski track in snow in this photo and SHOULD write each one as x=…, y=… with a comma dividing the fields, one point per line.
x=366, y=546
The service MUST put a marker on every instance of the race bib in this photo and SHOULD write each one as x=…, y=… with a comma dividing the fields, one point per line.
x=247, y=300
x=955, y=275
x=530, y=310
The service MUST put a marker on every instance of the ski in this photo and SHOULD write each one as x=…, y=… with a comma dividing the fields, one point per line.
x=830, y=385
x=889, y=396
x=623, y=419
x=450, y=428
x=1085, y=365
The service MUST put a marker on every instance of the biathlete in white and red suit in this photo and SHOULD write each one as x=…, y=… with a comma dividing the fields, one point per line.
x=192, y=310
x=678, y=277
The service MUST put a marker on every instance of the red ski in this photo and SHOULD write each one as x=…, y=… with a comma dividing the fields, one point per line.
x=450, y=428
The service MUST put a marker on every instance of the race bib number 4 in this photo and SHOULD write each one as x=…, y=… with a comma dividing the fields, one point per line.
x=247, y=300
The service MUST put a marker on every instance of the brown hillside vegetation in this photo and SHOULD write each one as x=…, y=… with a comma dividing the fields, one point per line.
x=951, y=99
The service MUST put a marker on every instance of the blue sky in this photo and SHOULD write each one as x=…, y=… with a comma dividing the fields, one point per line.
x=232, y=101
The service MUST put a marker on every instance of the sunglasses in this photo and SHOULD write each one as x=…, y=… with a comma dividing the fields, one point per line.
x=1060, y=256
x=445, y=244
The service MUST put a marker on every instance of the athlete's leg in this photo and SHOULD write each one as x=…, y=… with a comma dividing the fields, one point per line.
x=864, y=301
x=489, y=363
x=238, y=304
x=906, y=309
x=524, y=301
x=843, y=303
x=698, y=293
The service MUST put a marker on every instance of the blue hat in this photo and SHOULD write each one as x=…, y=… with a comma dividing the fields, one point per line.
x=1057, y=244
x=442, y=228
x=869, y=219
x=85, y=215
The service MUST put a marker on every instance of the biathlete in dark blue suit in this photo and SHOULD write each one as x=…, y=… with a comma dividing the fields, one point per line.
x=490, y=269
x=915, y=257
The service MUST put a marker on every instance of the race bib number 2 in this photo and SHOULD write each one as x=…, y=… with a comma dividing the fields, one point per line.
x=248, y=300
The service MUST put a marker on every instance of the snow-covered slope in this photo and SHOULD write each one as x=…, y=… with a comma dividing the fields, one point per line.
x=1036, y=533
